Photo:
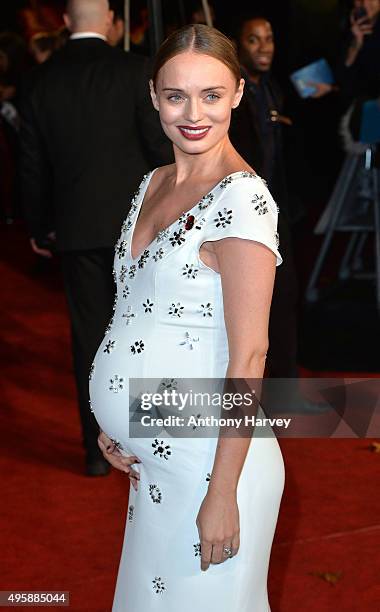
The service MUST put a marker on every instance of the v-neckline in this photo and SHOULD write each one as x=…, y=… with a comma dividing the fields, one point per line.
x=165, y=229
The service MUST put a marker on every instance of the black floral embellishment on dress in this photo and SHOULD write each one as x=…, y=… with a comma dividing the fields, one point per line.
x=182, y=218
x=226, y=181
x=126, y=292
x=92, y=369
x=197, y=417
x=148, y=305
x=158, y=585
x=109, y=326
x=121, y=248
x=277, y=239
x=189, y=341
x=169, y=383
x=189, y=222
x=260, y=205
x=162, y=234
x=208, y=477
x=137, y=347
x=200, y=223
x=223, y=218
x=246, y=174
x=206, y=309
x=177, y=237
x=143, y=259
x=155, y=493
x=189, y=271
x=126, y=225
x=158, y=254
x=176, y=310
x=206, y=201
x=161, y=449
x=109, y=346
x=129, y=315
x=123, y=273
x=133, y=207
x=116, y=384
x=130, y=512
x=132, y=271
x=197, y=549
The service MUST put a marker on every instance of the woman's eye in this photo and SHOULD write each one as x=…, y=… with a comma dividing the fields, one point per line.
x=175, y=98
x=212, y=97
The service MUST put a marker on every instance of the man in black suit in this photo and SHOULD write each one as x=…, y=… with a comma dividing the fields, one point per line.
x=90, y=133
x=256, y=132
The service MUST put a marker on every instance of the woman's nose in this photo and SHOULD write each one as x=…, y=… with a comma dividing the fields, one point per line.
x=193, y=110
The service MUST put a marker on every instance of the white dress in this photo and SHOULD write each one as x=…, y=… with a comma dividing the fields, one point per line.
x=168, y=323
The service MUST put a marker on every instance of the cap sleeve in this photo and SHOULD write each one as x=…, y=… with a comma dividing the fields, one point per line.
x=244, y=209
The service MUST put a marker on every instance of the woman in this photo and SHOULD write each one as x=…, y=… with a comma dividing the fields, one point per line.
x=195, y=267
x=358, y=71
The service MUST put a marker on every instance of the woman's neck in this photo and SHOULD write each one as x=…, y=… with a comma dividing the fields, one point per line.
x=220, y=159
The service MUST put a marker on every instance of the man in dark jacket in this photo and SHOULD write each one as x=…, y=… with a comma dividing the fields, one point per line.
x=256, y=133
x=89, y=133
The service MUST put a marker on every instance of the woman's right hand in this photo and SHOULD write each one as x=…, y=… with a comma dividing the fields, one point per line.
x=112, y=454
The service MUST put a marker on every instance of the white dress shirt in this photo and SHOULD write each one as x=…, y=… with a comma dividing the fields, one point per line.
x=78, y=35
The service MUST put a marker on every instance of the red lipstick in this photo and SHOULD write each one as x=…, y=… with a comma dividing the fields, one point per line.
x=194, y=132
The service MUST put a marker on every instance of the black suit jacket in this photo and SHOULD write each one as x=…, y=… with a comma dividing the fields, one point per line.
x=246, y=136
x=88, y=134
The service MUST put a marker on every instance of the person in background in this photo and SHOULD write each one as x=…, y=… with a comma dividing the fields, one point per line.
x=257, y=133
x=13, y=59
x=115, y=35
x=63, y=36
x=198, y=13
x=42, y=45
x=86, y=137
x=358, y=72
x=13, y=66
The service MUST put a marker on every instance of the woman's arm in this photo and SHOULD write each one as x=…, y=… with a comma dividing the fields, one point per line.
x=247, y=270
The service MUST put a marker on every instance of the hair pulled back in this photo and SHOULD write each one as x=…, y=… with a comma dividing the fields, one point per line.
x=198, y=38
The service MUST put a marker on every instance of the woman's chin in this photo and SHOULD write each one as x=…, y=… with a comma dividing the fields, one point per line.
x=193, y=147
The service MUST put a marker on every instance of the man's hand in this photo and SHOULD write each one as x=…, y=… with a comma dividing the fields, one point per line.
x=42, y=252
x=321, y=89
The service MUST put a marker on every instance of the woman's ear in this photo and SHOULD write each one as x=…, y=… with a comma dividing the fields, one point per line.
x=239, y=94
x=153, y=95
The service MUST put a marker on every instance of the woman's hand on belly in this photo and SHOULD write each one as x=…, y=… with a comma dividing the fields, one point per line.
x=112, y=454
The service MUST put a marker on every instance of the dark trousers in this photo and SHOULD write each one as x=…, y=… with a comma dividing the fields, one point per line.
x=282, y=353
x=90, y=291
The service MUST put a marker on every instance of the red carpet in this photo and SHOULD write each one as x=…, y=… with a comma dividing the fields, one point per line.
x=63, y=531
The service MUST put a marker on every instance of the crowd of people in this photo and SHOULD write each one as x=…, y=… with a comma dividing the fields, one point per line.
x=50, y=176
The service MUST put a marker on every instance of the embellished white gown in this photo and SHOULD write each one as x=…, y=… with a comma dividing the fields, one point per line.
x=168, y=323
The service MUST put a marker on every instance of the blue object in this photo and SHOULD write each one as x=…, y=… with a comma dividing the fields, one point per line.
x=317, y=72
x=370, y=122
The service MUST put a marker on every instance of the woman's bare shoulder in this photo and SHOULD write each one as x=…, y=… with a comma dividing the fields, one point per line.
x=162, y=173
